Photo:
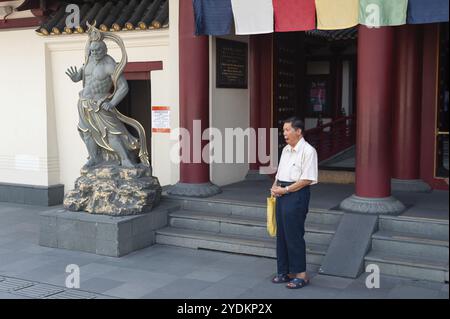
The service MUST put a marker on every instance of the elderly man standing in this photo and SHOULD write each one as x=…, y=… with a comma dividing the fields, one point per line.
x=298, y=169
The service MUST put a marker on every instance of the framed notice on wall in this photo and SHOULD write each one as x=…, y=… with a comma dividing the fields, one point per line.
x=160, y=119
x=232, y=64
x=318, y=97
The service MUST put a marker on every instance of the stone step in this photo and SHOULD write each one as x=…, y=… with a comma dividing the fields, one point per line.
x=238, y=225
x=232, y=243
x=336, y=177
x=251, y=210
x=431, y=228
x=409, y=266
x=410, y=244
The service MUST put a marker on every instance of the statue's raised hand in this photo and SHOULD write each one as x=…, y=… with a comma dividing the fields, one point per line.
x=73, y=74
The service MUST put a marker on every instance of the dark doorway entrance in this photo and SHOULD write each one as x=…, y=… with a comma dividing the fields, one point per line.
x=315, y=80
x=137, y=105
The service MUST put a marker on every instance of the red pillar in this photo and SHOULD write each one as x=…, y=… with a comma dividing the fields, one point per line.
x=374, y=124
x=260, y=87
x=373, y=139
x=255, y=90
x=406, y=159
x=194, y=104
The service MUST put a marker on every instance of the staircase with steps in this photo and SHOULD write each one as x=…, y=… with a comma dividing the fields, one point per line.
x=411, y=247
x=238, y=227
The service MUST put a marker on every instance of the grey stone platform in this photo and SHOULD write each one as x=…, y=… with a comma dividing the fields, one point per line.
x=32, y=194
x=161, y=271
x=100, y=234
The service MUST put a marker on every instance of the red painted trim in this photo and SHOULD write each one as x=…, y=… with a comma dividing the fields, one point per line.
x=141, y=70
x=20, y=23
x=429, y=107
x=337, y=74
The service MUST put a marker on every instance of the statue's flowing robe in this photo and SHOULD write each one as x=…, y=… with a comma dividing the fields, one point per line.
x=99, y=123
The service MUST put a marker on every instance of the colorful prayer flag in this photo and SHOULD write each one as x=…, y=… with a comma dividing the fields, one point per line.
x=253, y=16
x=427, y=11
x=294, y=15
x=337, y=14
x=381, y=13
x=213, y=17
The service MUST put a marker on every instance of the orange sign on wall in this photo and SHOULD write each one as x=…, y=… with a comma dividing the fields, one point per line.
x=160, y=119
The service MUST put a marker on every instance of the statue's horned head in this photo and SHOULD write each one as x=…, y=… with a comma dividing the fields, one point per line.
x=94, y=33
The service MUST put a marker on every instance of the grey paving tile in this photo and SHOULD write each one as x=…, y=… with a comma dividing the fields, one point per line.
x=172, y=268
x=211, y=275
x=132, y=290
x=100, y=285
x=24, y=265
x=142, y=277
x=12, y=257
x=412, y=292
x=45, y=272
x=445, y=288
x=332, y=282
x=363, y=293
x=57, y=280
x=443, y=295
x=220, y=291
x=95, y=269
x=5, y=295
x=179, y=289
x=267, y=290
x=242, y=280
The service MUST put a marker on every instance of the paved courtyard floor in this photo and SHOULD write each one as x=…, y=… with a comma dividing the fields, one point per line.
x=28, y=270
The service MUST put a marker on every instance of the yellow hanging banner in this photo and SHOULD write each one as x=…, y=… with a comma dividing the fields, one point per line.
x=335, y=15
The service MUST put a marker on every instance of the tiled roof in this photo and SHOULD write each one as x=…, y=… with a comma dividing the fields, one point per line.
x=335, y=35
x=110, y=15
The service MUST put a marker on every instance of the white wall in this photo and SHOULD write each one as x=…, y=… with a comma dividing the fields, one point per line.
x=229, y=108
x=23, y=111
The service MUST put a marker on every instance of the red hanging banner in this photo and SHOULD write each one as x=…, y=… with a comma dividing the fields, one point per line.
x=294, y=15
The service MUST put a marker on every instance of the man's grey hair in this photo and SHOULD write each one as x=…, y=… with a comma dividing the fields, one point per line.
x=296, y=123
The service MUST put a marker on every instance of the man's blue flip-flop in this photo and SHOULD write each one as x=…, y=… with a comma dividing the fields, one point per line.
x=279, y=279
x=297, y=283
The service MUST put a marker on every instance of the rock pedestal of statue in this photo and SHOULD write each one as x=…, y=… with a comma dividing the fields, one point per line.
x=114, y=190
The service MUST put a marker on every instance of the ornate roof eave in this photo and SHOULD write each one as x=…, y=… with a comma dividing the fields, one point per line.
x=110, y=15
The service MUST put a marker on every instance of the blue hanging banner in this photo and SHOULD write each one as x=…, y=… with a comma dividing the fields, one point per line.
x=427, y=11
x=213, y=17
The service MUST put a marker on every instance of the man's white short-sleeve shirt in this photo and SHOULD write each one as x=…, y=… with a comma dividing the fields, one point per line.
x=298, y=163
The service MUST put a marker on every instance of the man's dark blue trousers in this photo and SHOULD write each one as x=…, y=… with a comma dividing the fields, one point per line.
x=291, y=211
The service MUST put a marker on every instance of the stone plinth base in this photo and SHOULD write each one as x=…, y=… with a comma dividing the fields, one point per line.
x=100, y=234
x=379, y=206
x=194, y=190
x=114, y=190
x=412, y=185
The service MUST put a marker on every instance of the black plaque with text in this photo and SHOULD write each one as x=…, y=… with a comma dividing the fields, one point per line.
x=232, y=57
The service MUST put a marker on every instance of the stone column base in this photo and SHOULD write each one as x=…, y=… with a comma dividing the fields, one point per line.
x=254, y=175
x=410, y=185
x=194, y=190
x=378, y=206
